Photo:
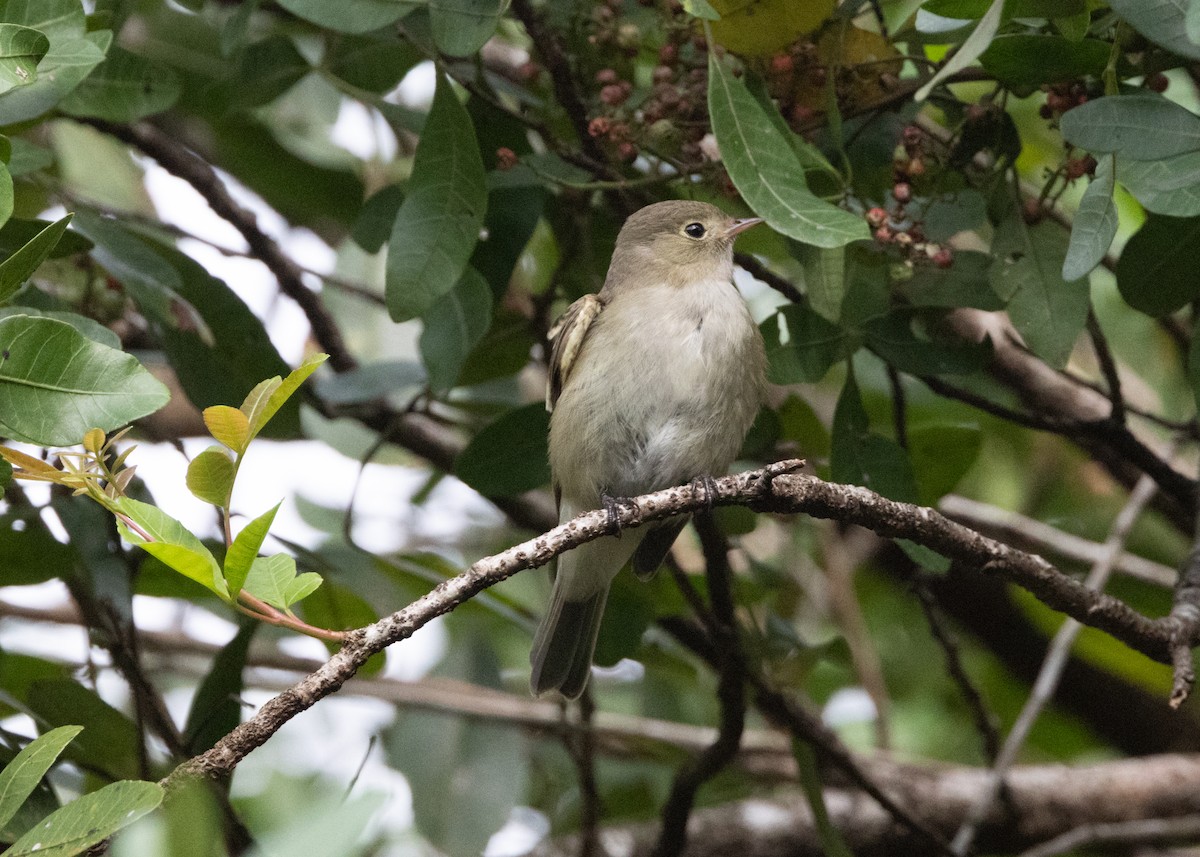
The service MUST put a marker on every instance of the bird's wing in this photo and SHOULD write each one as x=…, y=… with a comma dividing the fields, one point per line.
x=567, y=336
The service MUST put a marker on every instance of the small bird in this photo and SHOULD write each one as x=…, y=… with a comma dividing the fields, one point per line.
x=654, y=382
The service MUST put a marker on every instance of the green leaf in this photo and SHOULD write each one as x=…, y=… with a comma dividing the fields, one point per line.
x=210, y=476
x=172, y=543
x=1156, y=273
x=1170, y=186
x=90, y=819
x=941, y=455
x=21, y=776
x=1095, y=224
x=109, y=740
x=19, y=266
x=273, y=579
x=701, y=9
x=460, y=27
x=1141, y=126
x=509, y=456
x=375, y=220
x=832, y=843
x=351, y=16
x=73, y=54
x=372, y=63
x=766, y=170
x=1047, y=311
x=15, y=234
x=90, y=328
x=895, y=341
x=968, y=51
x=453, y=327
x=265, y=400
x=21, y=49
x=1161, y=21
x=244, y=550
x=124, y=88
x=860, y=457
x=813, y=345
x=1192, y=22
x=1193, y=369
x=233, y=34
x=217, y=708
x=466, y=775
x=267, y=70
x=824, y=279
x=396, y=381
x=55, y=383
x=1026, y=61
x=438, y=224
x=963, y=284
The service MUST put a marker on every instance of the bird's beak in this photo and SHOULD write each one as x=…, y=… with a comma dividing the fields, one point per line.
x=736, y=227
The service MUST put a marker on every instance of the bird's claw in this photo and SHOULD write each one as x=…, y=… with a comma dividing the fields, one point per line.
x=708, y=485
x=612, y=508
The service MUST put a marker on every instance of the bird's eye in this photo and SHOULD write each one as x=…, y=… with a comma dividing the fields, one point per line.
x=694, y=230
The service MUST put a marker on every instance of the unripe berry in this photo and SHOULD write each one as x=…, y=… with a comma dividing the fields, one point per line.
x=877, y=217
x=606, y=76
x=613, y=94
x=902, y=191
x=782, y=64
x=883, y=235
x=599, y=126
x=506, y=159
x=1158, y=82
x=943, y=258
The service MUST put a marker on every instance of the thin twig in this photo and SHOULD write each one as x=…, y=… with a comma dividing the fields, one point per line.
x=984, y=722
x=1052, y=666
x=731, y=695
x=1150, y=831
x=1108, y=367
x=584, y=753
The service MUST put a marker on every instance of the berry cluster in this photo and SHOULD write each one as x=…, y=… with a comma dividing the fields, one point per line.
x=895, y=226
x=1061, y=97
x=796, y=80
x=672, y=118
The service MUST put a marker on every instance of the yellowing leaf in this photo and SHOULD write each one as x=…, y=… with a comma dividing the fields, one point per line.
x=210, y=476
x=228, y=425
x=760, y=27
x=268, y=397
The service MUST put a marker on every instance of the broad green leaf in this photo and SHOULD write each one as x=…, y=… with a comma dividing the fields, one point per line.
x=375, y=220
x=1170, y=186
x=1047, y=311
x=1141, y=126
x=466, y=775
x=396, y=381
x=71, y=58
x=963, y=284
x=233, y=34
x=6, y=475
x=56, y=384
x=438, y=224
x=1156, y=273
x=210, y=476
x=894, y=340
x=228, y=425
x=19, y=266
x=1095, y=224
x=273, y=579
x=245, y=548
x=765, y=169
x=453, y=327
x=124, y=88
x=265, y=400
x=109, y=740
x=1193, y=369
x=217, y=708
x=1026, y=61
x=1192, y=22
x=968, y=51
x=21, y=776
x=7, y=197
x=88, y=820
x=372, y=63
x=812, y=346
x=824, y=279
x=351, y=16
x=460, y=27
x=15, y=234
x=972, y=10
x=172, y=543
x=267, y=70
x=1161, y=21
x=89, y=327
x=860, y=457
x=509, y=455
x=941, y=455
x=21, y=49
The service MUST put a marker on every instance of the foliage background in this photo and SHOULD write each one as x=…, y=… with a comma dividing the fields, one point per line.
x=1048, y=169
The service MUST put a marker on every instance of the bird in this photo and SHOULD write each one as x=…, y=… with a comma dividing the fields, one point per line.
x=654, y=381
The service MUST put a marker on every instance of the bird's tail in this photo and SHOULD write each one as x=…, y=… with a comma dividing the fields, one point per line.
x=566, y=638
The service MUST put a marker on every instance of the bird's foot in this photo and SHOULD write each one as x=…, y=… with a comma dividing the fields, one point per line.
x=612, y=508
x=708, y=485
